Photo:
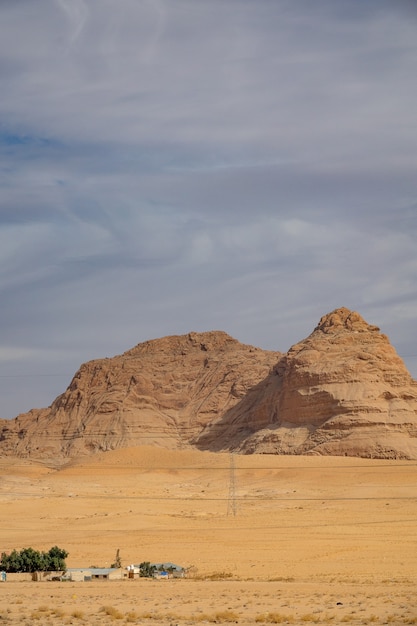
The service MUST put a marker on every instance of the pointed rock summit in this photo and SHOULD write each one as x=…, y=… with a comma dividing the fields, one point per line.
x=342, y=391
x=342, y=318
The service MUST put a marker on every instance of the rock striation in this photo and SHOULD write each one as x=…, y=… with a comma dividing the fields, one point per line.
x=163, y=392
x=341, y=391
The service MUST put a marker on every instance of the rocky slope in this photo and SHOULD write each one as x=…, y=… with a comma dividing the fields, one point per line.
x=161, y=392
x=343, y=390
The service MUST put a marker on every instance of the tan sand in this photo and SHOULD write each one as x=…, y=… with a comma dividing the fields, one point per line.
x=314, y=539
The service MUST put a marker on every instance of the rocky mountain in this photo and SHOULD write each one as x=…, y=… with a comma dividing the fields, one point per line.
x=163, y=392
x=343, y=391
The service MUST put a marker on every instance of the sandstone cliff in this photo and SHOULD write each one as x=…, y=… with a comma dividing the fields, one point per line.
x=343, y=391
x=161, y=392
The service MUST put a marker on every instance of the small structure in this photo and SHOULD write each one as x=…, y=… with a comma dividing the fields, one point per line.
x=162, y=571
x=92, y=573
x=168, y=570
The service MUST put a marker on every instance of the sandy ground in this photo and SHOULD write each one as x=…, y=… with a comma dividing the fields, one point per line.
x=290, y=540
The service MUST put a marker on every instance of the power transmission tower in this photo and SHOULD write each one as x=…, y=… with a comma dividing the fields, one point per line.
x=231, y=501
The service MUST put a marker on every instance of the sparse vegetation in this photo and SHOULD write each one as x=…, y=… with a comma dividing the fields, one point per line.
x=309, y=617
x=274, y=618
x=36, y=615
x=132, y=616
x=226, y=616
x=112, y=612
x=217, y=576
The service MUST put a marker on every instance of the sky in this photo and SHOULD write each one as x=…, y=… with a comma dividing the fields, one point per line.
x=169, y=166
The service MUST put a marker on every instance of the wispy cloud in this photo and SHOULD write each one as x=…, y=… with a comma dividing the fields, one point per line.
x=169, y=166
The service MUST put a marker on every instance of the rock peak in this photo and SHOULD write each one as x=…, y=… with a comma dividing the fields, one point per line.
x=176, y=344
x=343, y=390
x=343, y=319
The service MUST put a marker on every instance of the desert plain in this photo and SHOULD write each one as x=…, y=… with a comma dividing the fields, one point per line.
x=265, y=538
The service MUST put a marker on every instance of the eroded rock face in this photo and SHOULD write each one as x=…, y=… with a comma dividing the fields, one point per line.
x=343, y=390
x=161, y=392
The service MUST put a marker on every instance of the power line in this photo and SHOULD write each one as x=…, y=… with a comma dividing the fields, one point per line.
x=235, y=528
x=322, y=498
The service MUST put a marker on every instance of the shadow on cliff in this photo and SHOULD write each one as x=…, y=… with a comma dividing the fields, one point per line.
x=256, y=410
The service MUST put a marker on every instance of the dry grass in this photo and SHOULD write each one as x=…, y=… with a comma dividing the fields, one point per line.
x=274, y=618
x=132, y=616
x=214, y=576
x=112, y=612
x=225, y=616
x=309, y=617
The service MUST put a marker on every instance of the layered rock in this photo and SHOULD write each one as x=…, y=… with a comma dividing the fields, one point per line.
x=343, y=390
x=161, y=392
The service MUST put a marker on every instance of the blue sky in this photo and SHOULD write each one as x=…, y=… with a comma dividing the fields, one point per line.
x=178, y=165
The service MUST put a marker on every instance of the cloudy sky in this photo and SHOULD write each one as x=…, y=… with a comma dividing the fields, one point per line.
x=178, y=165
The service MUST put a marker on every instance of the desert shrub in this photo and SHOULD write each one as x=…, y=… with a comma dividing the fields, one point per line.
x=226, y=616
x=218, y=576
x=36, y=615
x=218, y=617
x=112, y=612
x=274, y=618
x=309, y=617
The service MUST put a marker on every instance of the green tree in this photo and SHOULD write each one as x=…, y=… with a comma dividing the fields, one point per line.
x=55, y=559
x=30, y=560
x=11, y=562
x=146, y=570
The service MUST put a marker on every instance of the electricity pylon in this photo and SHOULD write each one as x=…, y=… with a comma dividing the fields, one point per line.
x=231, y=501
